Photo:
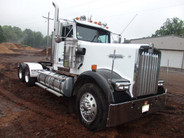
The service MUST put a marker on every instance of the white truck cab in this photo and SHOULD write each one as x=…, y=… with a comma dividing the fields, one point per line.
x=112, y=83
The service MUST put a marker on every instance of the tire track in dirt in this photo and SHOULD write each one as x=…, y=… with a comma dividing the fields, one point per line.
x=45, y=114
x=26, y=105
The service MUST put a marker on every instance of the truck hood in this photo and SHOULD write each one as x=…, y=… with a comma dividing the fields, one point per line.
x=101, y=55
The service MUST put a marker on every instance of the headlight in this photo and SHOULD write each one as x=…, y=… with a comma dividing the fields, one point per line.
x=161, y=83
x=121, y=86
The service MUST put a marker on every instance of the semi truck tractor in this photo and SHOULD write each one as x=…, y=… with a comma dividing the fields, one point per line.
x=111, y=83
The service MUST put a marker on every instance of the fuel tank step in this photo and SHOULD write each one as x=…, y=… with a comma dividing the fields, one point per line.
x=48, y=89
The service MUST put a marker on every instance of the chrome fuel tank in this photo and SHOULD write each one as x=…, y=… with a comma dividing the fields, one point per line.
x=60, y=83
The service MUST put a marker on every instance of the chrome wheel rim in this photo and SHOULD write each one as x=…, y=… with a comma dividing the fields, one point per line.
x=88, y=107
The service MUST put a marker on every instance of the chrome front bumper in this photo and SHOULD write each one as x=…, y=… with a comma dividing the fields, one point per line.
x=124, y=112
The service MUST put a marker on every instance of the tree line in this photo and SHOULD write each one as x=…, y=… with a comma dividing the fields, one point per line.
x=173, y=26
x=26, y=37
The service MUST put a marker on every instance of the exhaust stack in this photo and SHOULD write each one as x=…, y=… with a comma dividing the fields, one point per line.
x=55, y=33
x=56, y=17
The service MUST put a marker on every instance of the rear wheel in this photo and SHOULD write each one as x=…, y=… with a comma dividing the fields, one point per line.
x=92, y=107
x=30, y=81
x=21, y=73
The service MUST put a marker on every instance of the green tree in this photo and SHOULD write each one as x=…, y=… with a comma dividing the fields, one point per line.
x=26, y=37
x=171, y=26
x=9, y=34
x=2, y=36
x=44, y=41
x=31, y=38
x=19, y=34
x=38, y=37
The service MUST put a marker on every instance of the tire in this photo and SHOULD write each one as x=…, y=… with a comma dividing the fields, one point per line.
x=30, y=81
x=92, y=107
x=21, y=73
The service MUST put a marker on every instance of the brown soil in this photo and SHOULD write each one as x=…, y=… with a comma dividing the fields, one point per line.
x=44, y=52
x=5, y=50
x=9, y=48
x=34, y=112
x=10, y=45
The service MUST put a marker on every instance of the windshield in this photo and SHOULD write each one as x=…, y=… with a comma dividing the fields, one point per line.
x=92, y=34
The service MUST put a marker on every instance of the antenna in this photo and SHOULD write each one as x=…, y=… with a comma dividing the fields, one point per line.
x=128, y=24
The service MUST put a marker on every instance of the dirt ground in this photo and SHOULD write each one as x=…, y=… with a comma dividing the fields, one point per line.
x=34, y=112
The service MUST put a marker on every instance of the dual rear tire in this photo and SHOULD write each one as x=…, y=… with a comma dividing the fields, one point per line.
x=21, y=72
x=24, y=75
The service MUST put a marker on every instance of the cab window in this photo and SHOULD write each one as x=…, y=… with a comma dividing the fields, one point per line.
x=67, y=31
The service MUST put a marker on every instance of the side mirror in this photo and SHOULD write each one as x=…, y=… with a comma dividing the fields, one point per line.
x=116, y=38
x=116, y=42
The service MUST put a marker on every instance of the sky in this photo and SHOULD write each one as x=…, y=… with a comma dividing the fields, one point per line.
x=149, y=14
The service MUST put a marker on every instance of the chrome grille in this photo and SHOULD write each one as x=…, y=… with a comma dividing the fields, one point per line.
x=148, y=70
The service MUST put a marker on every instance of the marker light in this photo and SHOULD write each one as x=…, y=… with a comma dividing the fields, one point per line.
x=95, y=22
x=90, y=21
x=93, y=68
x=146, y=102
x=107, y=27
x=99, y=23
x=77, y=18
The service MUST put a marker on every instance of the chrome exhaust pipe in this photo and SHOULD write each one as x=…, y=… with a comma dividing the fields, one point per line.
x=56, y=21
x=56, y=17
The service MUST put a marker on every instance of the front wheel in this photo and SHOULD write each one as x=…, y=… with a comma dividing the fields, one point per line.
x=30, y=81
x=92, y=107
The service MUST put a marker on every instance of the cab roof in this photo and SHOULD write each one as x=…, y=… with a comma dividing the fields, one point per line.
x=92, y=24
